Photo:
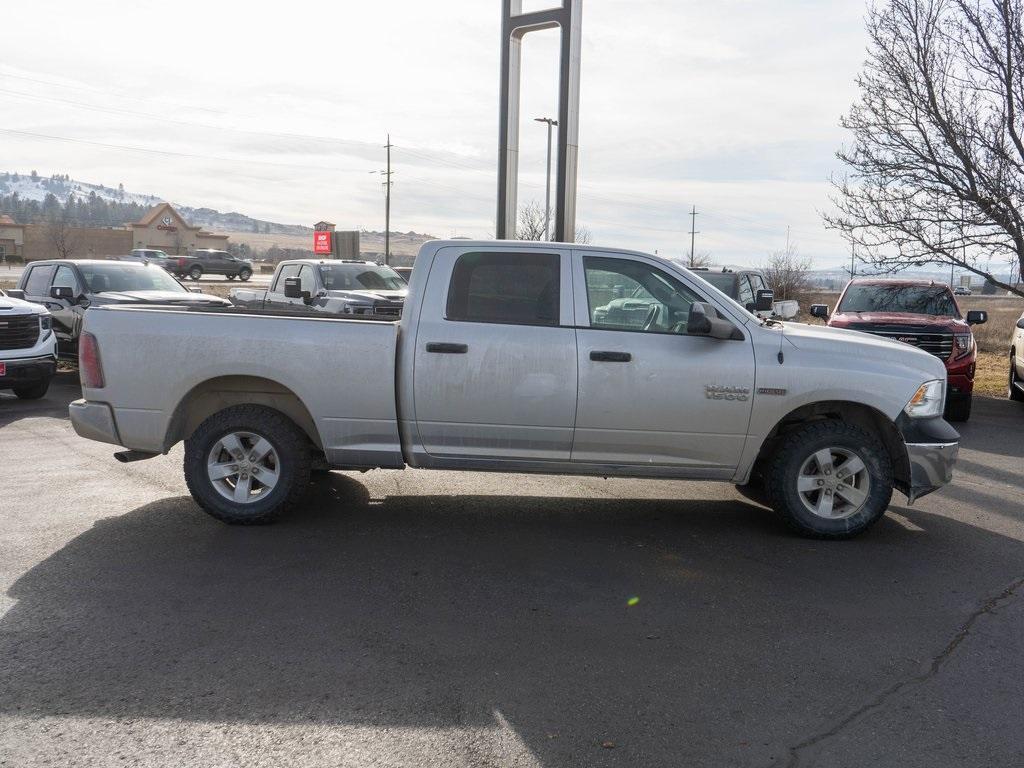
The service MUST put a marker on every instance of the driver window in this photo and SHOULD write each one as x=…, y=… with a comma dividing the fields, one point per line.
x=625, y=295
x=307, y=279
x=746, y=293
x=65, y=278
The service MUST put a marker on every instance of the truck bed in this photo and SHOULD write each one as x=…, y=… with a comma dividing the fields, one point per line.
x=342, y=369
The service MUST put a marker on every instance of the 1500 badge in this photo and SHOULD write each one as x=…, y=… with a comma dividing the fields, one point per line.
x=718, y=392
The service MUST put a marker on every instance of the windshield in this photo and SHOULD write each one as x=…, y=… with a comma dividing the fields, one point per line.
x=102, y=278
x=913, y=299
x=361, y=277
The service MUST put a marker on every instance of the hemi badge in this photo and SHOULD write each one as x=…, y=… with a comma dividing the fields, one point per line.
x=770, y=391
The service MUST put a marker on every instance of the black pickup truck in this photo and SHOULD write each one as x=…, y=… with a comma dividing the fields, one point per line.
x=207, y=261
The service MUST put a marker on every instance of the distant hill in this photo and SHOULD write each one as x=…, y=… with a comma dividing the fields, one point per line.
x=31, y=191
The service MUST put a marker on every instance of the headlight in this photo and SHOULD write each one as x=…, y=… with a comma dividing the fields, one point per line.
x=963, y=343
x=45, y=325
x=929, y=400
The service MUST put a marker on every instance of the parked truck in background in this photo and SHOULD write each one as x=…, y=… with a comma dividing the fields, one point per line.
x=920, y=313
x=332, y=287
x=744, y=286
x=501, y=363
x=28, y=349
x=207, y=261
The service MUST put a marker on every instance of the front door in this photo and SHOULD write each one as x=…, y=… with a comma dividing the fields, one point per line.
x=649, y=394
x=495, y=369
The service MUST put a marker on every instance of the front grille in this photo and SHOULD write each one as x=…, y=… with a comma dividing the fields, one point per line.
x=388, y=308
x=938, y=343
x=19, y=332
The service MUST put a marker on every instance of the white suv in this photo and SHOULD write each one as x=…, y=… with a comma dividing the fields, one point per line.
x=1017, y=362
x=28, y=347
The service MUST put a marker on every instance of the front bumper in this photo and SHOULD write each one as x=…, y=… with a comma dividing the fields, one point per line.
x=94, y=421
x=27, y=370
x=932, y=447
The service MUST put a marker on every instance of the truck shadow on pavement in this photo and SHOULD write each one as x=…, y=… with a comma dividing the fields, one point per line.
x=64, y=388
x=447, y=611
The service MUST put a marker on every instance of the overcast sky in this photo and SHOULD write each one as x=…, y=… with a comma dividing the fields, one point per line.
x=730, y=106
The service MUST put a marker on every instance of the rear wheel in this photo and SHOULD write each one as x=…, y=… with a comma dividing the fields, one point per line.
x=244, y=275
x=247, y=464
x=829, y=480
x=195, y=272
x=230, y=277
x=1016, y=382
x=33, y=391
x=959, y=409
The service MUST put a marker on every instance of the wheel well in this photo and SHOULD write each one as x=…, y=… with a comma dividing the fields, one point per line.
x=214, y=395
x=857, y=414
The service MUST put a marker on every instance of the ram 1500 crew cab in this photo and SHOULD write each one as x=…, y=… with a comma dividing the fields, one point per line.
x=501, y=362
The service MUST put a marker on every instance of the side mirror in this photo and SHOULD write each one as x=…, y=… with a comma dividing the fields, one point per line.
x=293, y=289
x=977, y=317
x=62, y=292
x=194, y=289
x=765, y=301
x=819, y=310
x=15, y=293
x=704, y=320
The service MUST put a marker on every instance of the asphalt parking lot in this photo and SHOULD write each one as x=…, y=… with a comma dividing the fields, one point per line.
x=446, y=619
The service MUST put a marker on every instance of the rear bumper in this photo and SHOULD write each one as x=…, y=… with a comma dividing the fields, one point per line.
x=27, y=370
x=94, y=421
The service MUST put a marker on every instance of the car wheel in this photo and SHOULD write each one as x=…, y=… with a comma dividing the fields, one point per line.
x=244, y=275
x=33, y=391
x=230, y=277
x=959, y=409
x=195, y=272
x=247, y=464
x=829, y=480
x=1016, y=382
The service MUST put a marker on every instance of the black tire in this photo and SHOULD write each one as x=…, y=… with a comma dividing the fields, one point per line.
x=244, y=275
x=959, y=409
x=33, y=391
x=230, y=277
x=800, y=445
x=1015, y=392
x=291, y=448
x=195, y=272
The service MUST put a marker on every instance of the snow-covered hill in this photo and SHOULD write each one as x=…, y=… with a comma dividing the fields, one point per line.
x=62, y=187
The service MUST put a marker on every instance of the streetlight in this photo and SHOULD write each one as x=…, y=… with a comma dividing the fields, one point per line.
x=547, y=195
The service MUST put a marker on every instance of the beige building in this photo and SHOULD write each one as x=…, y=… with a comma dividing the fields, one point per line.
x=164, y=228
x=12, y=238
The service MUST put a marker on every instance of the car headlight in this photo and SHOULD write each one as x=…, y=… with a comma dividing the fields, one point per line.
x=929, y=400
x=45, y=325
x=963, y=343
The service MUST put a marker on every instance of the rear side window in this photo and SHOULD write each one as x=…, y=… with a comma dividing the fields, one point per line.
x=517, y=288
x=38, y=283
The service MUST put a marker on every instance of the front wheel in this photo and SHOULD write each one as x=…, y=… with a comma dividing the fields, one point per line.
x=196, y=272
x=1016, y=382
x=244, y=275
x=247, y=464
x=230, y=277
x=829, y=480
x=959, y=409
x=33, y=391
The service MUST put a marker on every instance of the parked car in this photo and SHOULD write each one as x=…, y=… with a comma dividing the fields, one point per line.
x=67, y=288
x=328, y=287
x=206, y=261
x=744, y=286
x=148, y=254
x=501, y=363
x=920, y=313
x=1016, y=389
x=961, y=291
x=28, y=350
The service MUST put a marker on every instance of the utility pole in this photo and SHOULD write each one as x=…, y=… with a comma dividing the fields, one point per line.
x=853, y=253
x=387, y=206
x=693, y=233
x=547, y=194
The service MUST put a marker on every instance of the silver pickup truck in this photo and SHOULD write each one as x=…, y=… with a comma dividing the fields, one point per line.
x=501, y=363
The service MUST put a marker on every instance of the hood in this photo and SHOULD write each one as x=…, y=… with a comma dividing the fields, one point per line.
x=370, y=296
x=10, y=307
x=870, y=348
x=909, y=319
x=159, y=297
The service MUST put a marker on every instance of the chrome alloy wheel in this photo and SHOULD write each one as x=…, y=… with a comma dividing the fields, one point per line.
x=834, y=483
x=243, y=467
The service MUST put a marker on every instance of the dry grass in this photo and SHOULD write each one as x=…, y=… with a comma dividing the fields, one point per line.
x=992, y=374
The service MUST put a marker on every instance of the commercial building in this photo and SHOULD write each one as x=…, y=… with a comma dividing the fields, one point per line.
x=12, y=238
x=165, y=229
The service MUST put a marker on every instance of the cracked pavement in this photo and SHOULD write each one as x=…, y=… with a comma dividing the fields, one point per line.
x=451, y=619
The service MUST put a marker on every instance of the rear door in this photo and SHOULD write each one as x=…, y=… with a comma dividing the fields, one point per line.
x=495, y=355
x=649, y=394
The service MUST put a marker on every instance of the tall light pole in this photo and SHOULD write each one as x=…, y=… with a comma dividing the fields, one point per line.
x=547, y=195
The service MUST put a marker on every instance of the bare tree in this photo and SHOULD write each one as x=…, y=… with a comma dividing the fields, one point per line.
x=937, y=160
x=61, y=237
x=530, y=224
x=698, y=260
x=787, y=273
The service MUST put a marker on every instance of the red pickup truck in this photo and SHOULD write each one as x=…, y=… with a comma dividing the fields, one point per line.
x=918, y=312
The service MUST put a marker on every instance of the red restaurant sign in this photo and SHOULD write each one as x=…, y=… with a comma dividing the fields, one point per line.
x=322, y=242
